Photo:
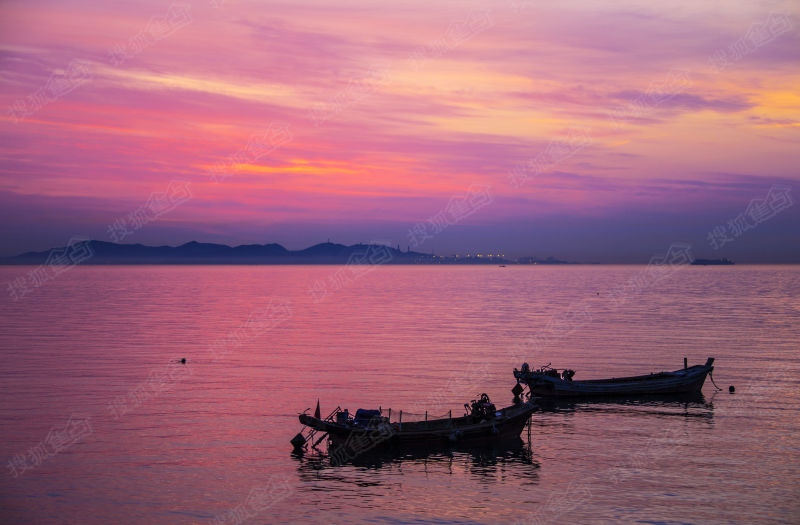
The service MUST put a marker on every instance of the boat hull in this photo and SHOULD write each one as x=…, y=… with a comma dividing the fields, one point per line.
x=465, y=430
x=685, y=381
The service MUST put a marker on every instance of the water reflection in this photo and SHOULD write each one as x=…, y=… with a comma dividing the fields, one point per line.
x=685, y=405
x=487, y=461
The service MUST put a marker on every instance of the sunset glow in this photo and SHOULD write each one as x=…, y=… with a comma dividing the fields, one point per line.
x=602, y=133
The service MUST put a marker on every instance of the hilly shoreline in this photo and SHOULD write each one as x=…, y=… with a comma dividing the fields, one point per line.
x=103, y=252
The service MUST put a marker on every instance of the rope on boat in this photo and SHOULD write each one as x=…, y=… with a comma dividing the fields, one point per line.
x=711, y=376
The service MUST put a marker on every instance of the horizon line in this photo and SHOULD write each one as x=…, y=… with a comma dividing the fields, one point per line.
x=429, y=257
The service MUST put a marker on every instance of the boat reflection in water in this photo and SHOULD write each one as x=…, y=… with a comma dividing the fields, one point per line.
x=668, y=407
x=489, y=460
x=694, y=404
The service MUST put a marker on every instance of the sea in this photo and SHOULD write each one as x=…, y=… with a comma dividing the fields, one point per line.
x=101, y=422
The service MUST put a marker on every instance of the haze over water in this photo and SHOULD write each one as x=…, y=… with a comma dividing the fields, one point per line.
x=215, y=433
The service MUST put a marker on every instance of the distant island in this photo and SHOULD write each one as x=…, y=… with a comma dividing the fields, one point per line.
x=93, y=252
x=103, y=252
x=534, y=260
x=712, y=262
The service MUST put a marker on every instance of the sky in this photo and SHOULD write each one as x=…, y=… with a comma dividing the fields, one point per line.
x=588, y=131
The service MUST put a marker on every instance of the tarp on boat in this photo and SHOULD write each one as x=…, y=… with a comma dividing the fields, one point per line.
x=364, y=415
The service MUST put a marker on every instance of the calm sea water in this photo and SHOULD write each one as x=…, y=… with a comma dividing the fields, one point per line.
x=98, y=424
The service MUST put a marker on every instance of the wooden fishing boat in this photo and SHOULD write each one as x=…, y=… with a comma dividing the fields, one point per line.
x=549, y=382
x=372, y=429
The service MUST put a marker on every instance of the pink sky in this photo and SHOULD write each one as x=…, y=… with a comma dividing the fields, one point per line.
x=601, y=132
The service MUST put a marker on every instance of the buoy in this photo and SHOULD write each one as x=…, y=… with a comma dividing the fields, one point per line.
x=183, y=361
x=298, y=441
x=517, y=390
x=731, y=389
